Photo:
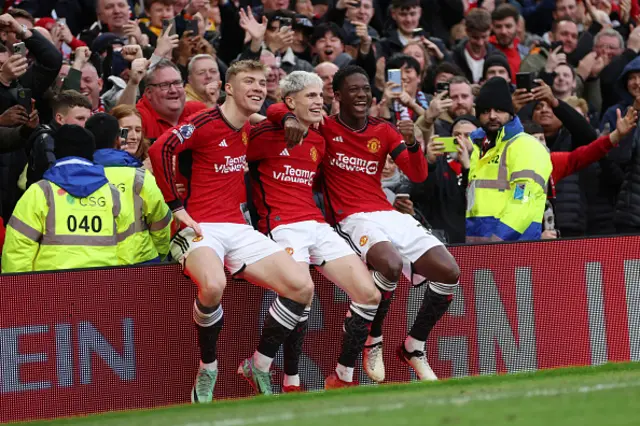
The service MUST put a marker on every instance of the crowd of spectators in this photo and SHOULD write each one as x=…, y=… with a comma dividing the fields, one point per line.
x=153, y=63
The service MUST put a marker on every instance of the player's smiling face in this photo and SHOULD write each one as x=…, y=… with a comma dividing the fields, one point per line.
x=250, y=90
x=355, y=96
x=307, y=104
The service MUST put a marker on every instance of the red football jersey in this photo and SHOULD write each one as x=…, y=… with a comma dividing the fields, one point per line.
x=354, y=160
x=216, y=189
x=282, y=179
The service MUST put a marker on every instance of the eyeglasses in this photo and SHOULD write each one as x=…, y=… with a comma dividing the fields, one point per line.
x=165, y=86
x=607, y=47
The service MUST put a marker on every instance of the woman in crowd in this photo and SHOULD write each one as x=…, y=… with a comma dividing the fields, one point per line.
x=129, y=118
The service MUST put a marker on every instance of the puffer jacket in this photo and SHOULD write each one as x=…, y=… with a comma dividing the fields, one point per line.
x=622, y=167
x=627, y=215
x=570, y=203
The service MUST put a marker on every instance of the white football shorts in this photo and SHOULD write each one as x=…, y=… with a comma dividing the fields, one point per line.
x=311, y=242
x=237, y=245
x=409, y=237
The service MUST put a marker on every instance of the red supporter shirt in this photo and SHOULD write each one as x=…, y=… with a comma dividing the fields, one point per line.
x=282, y=179
x=512, y=54
x=353, y=163
x=154, y=126
x=216, y=186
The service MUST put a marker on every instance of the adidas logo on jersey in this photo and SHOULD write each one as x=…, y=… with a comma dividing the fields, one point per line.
x=338, y=139
x=284, y=153
x=223, y=143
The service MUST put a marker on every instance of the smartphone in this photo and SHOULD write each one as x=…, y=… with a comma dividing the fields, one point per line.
x=24, y=99
x=285, y=22
x=61, y=21
x=19, y=49
x=355, y=4
x=555, y=45
x=418, y=31
x=192, y=25
x=524, y=80
x=165, y=25
x=124, y=134
x=442, y=87
x=395, y=76
x=401, y=196
x=450, y=144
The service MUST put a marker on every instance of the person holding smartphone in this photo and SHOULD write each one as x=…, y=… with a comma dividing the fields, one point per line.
x=403, y=99
x=441, y=198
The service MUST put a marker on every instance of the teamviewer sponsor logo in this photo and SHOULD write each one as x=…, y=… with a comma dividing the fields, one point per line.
x=291, y=174
x=354, y=164
x=231, y=165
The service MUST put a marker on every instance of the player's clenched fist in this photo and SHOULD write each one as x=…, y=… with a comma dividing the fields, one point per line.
x=406, y=130
x=293, y=132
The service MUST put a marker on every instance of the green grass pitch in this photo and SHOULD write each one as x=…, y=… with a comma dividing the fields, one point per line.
x=608, y=395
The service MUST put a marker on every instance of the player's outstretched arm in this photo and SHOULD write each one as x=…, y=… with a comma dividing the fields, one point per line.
x=408, y=155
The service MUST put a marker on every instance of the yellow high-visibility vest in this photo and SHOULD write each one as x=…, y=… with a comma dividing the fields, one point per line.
x=507, y=188
x=148, y=233
x=50, y=230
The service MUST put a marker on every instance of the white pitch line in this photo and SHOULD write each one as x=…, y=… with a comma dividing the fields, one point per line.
x=457, y=400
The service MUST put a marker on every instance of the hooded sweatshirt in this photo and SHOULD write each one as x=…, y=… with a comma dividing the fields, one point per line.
x=78, y=176
x=115, y=158
x=609, y=118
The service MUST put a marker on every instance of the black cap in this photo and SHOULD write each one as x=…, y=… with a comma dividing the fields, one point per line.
x=470, y=118
x=105, y=40
x=105, y=130
x=495, y=59
x=74, y=141
x=496, y=94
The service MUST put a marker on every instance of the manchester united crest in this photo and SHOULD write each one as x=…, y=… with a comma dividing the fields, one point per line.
x=314, y=154
x=289, y=251
x=373, y=145
x=245, y=139
x=197, y=239
x=364, y=240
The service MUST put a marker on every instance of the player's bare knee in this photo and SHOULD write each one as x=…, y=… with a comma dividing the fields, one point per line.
x=302, y=289
x=211, y=286
x=372, y=296
x=393, y=269
x=452, y=273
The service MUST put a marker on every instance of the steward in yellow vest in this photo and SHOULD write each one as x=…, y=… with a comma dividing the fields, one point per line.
x=71, y=218
x=509, y=171
x=146, y=238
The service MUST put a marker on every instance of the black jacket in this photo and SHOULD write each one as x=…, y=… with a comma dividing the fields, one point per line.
x=573, y=192
x=627, y=210
x=79, y=14
x=442, y=200
x=12, y=139
x=458, y=57
x=39, y=77
x=40, y=151
x=439, y=16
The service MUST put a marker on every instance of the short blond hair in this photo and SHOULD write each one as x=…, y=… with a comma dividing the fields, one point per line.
x=246, y=65
x=579, y=103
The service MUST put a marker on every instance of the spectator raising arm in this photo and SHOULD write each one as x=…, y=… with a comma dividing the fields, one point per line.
x=138, y=69
x=256, y=30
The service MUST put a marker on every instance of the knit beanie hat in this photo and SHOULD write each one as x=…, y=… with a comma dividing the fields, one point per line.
x=494, y=94
x=469, y=118
x=74, y=141
x=495, y=59
x=105, y=129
